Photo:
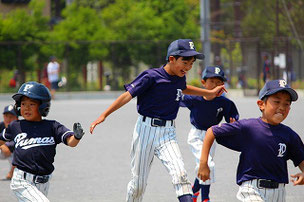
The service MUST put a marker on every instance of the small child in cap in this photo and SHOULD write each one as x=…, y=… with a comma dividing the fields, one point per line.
x=206, y=112
x=265, y=145
x=7, y=149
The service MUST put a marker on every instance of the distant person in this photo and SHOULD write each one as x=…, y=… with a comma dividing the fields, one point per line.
x=53, y=70
x=7, y=149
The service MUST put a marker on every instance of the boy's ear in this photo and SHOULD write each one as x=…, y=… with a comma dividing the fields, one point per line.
x=261, y=105
x=171, y=59
x=203, y=82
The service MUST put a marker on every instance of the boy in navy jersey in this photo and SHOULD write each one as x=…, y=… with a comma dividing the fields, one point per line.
x=7, y=149
x=265, y=145
x=35, y=142
x=159, y=92
x=206, y=112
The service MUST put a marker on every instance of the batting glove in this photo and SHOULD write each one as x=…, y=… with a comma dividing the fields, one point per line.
x=78, y=131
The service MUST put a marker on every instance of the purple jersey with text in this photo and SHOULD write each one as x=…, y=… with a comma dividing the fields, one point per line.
x=264, y=148
x=35, y=144
x=158, y=93
x=206, y=113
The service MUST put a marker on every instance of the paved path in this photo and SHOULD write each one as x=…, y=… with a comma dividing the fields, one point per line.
x=98, y=170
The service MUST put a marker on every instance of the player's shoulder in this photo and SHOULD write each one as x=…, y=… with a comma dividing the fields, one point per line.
x=223, y=98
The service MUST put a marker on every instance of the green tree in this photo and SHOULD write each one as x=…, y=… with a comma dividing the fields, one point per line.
x=21, y=31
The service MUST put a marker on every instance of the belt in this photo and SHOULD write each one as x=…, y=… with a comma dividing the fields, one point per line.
x=262, y=183
x=36, y=178
x=155, y=122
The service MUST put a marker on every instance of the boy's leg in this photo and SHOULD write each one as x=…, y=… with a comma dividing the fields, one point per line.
x=169, y=154
x=142, y=153
x=28, y=191
x=195, y=140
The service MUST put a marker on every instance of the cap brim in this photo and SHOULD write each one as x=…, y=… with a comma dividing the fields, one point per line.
x=293, y=93
x=192, y=53
x=215, y=75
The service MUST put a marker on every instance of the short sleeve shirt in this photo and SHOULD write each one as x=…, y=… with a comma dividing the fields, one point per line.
x=53, y=71
x=158, y=93
x=35, y=144
x=264, y=148
x=206, y=113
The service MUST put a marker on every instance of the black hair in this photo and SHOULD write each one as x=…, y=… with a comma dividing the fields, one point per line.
x=187, y=58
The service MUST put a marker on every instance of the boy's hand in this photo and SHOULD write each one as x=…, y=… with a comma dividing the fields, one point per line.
x=78, y=131
x=299, y=179
x=203, y=172
x=96, y=122
x=217, y=91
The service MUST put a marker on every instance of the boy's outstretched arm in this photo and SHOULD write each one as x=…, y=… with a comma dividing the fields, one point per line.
x=210, y=94
x=119, y=102
x=299, y=177
x=204, y=171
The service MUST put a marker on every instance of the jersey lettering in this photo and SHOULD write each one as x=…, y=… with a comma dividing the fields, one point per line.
x=179, y=95
x=219, y=110
x=282, y=149
x=26, y=143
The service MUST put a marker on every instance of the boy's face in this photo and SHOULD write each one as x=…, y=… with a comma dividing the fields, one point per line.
x=180, y=67
x=276, y=108
x=30, y=109
x=212, y=82
x=8, y=118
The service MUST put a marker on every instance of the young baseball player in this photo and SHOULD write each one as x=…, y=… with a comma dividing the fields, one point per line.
x=159, y=92
x=35, y=142
x=206, y=112
x=265, y=145
x=7, y=149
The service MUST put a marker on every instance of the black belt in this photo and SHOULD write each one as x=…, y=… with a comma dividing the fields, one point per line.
x=261, y=183
x=38, y=178
x=158, y=122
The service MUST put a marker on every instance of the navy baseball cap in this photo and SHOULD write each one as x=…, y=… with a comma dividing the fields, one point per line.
x=183, y=47
x=213, y=71
x=274, y=86
x=9, y=109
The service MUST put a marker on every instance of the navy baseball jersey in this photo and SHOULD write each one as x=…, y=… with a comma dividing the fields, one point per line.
x=206, y=113
x=158, y=93
x=35, y=144
x=264, y=148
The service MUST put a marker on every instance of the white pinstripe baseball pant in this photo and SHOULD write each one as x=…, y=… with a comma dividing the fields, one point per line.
x=250, y=192
x=27, y=191
x=195, y=140
x=149, y=141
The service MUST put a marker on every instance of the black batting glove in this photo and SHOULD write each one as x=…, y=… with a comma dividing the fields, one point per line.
x=78, y=131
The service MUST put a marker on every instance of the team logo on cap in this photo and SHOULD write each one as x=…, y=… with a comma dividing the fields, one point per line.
x=191, y=44
x=27, y=87
x=10, y=108
x=217, y=70
x=282, y=83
